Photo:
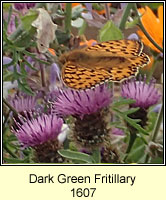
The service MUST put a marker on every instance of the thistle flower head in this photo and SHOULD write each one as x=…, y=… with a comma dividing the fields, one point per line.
x=23, y=103
x=144, y=93
x=84, y=102
x=21, y=6
x=86, y=106
x=37, y=131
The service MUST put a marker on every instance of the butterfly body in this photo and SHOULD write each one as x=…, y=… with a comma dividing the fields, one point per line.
x=114, y=60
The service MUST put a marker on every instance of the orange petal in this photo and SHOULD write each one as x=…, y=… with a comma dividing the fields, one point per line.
x=153, y=26
x=52, y=51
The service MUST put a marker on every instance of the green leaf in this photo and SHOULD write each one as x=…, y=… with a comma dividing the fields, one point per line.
x=14, y=160
x=14, y=59
x=82, y=28
x=76, y=155
x=78, y=23
x=6, y=6
x=24, y=87
x=157, y=161
x=24, y=39
x=132, y=23
x=132, y=122
x=27, y=63
x=76, y=11
x=62, y=37
x=22, y=69
x=137, y=152
x=123, y=101
x=12, y=138
x=28, y=19
x=96, y=156
x=110, y=32
x=7, y=76
x=32, y=55
x=132, y=110
x=9, y=14
x=152, y=5
x=152, y=117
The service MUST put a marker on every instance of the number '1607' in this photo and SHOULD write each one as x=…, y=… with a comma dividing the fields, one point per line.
x=83, y=192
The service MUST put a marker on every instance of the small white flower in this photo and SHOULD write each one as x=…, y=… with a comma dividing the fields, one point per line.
x=64, y=132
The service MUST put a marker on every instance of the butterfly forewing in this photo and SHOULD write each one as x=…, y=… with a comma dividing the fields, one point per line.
x=113, y=60
x=127, y=48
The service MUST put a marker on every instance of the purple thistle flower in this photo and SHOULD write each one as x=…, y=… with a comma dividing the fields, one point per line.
x=144, y=93
x=21, y=6
x=86, y=106
x=52, y=96
x=35, y=132
x=83, y=102
x=30, y=5
x=23, y=103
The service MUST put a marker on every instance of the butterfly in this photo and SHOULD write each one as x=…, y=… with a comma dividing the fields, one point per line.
x=113, y=60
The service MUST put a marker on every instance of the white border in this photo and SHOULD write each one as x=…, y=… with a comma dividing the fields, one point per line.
x=82, y=164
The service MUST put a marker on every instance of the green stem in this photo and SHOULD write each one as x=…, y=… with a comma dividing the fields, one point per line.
x=68, y=13
x=150, y=74
x=156, y=130
x=133, y=137
x=9, y=106
x=126, y=13
x=144, y=30
x=157, y=125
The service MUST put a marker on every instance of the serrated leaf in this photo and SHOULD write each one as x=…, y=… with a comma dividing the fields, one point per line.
x=132, y=122
x=22, y=68
x=24, y=40
x=25, y=88
x=132, y=110
x=76, y=155
x=110, y=32
x=123, y=101
x=32, y=55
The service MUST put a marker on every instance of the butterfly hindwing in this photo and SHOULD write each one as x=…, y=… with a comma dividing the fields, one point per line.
x=77, y=77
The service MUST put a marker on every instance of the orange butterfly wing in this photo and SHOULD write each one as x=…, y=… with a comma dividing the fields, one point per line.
x=79, y=77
